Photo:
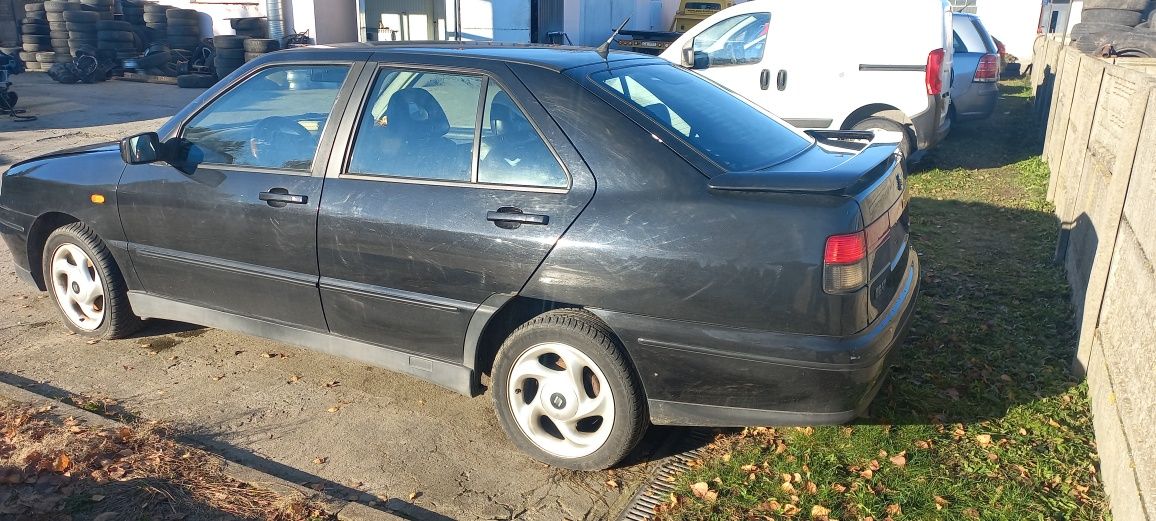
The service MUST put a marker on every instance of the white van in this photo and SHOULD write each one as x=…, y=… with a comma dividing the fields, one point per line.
x=833, y=64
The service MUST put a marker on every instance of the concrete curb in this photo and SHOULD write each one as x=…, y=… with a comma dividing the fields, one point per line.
x=345, y=510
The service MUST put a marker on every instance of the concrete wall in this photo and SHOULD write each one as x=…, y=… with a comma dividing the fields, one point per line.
x=1100, y=143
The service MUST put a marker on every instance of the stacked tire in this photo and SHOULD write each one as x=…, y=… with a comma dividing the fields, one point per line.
x=101, y=7
x=184, y=28
x=230, y=53
x=34, y=35
x=58, y=33
x=82, y=31
x=133, y=11
x=157, y=21
x=116, y=36
x=1120, y=25
x=251, y=27
x=258, y=47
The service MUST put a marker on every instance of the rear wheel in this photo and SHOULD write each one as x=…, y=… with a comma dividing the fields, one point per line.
x=890, y=125
x=86, y=285
x=565, y=394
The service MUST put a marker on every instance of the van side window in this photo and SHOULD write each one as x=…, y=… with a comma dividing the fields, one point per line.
x=737, y=40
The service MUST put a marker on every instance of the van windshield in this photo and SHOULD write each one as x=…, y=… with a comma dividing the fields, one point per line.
x=729, y=130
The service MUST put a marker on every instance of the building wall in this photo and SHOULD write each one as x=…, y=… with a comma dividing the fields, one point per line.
x=1013, y=22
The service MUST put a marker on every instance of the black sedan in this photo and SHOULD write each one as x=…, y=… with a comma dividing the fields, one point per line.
x=617, y=242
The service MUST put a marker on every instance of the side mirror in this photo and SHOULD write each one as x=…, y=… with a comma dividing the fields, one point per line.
x=696, y=60
x=141, y=149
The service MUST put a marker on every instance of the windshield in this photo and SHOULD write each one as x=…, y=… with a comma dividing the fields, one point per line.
x=725, y=128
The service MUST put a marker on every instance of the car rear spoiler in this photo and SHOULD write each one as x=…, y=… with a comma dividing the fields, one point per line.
x=839, y=163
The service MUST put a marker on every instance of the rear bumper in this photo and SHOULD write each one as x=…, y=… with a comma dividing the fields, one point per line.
x=978, y=102
x=933, y=125
x=706, y=375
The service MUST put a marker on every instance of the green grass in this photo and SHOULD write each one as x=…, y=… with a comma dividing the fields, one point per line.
x=982, y=408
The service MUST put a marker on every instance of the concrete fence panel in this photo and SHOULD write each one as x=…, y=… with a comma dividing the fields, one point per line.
x=1101, y=147
x=1062, y=99
x=1079, y=130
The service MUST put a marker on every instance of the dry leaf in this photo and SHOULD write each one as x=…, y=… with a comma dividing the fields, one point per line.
x=812, y=488
x=334, y=383
x=413, y=496
x=612, y=483
x=866, y=474
x=983, y=439
x=62, y=463
x=899, y=460
x=838, y=488
x=726, y=457
x=787, y=488
x=335, y=408
x=819, y=512
x=894, y=509
x=749, y=468
x=702, y=491
x=293, y=378
x=940, y=503
x=790, y=510
x=921, y=444
x=321, y=460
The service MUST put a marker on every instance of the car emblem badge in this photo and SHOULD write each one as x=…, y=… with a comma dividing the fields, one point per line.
x=557, y=400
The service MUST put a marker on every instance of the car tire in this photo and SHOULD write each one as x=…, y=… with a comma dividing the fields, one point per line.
x=1136, y=45
x=79, y=268
x=884, y=123
x=261, y=45
x=528, y=363
x=182, y=14
x=1129, y=5
x=1111, y=16
x=196, y=81
x=228, y=41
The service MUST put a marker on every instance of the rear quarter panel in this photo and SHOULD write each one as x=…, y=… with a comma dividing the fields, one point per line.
x=656, y=241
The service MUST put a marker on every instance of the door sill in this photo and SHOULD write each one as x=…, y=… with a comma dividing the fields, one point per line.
x=454, y=377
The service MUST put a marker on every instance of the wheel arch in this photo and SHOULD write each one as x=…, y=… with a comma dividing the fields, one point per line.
x=37, y=236
x=508, y=316
x=876, y=110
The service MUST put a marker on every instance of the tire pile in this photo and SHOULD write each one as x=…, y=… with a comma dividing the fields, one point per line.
x=117, y=36
x=184, y=28
x=230, y=54
x=155, y=19
x=1116, y=28
x=258, y=47
x=34, y=35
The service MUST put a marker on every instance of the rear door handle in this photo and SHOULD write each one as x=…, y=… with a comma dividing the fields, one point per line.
x=511, y=218
x=279, y=197
x=781, y=81
x=765, y=79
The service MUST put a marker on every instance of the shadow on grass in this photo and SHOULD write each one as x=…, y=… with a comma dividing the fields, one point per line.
x=1006, y=138
x=993, y=327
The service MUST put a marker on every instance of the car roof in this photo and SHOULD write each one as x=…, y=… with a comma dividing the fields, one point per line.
x=555, y=57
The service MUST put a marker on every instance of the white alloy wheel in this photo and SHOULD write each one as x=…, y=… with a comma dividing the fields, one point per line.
x=77, y=287
x=561, y=400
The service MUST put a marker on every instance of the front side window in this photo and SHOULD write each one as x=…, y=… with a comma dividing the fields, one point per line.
x=730, y=131
x=735, y=41
x=274, y=119
x=425, y=125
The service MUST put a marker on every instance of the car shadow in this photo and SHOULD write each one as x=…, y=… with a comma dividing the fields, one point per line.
x=1006, y=138
x=993, y=328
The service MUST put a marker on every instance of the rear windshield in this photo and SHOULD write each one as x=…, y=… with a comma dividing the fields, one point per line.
x=725, y=128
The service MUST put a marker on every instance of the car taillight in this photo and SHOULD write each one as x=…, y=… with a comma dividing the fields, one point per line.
x=988, y=70
x=935, y=72
x=845, y=263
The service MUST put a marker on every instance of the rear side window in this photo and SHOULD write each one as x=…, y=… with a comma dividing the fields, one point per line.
x=735, y=41
x=970, y=36
x=450, y=127
x=274, y=119
x=728, y=130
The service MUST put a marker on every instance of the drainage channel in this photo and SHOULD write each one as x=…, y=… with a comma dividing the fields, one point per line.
x=661, y=483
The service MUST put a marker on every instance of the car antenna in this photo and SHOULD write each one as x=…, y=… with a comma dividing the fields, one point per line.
x=604, y=49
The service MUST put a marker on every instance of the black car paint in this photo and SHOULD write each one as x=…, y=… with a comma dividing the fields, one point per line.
x=746, y=333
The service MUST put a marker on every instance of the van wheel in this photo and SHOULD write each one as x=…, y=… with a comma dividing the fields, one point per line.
x=85, y=283
x=890, y=125
x=565, y=394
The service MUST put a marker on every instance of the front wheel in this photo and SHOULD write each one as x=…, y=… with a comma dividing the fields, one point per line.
x=86, y=285
x=565, y=394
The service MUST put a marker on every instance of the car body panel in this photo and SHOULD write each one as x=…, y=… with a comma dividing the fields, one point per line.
x=971, y=100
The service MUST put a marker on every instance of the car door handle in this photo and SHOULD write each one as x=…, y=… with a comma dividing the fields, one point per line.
x=781, y=81
x=279, y=197
x=511, y=218
x=765, y=79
